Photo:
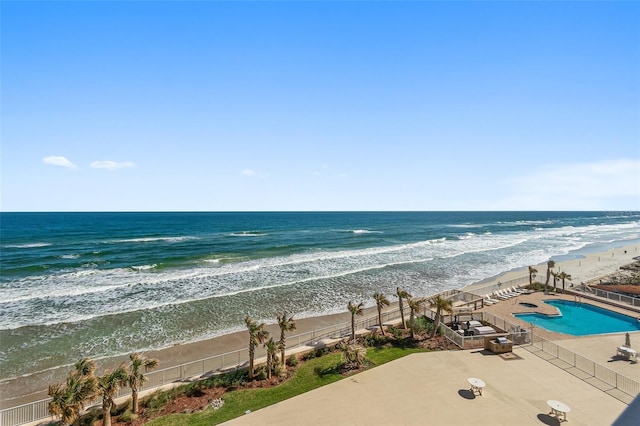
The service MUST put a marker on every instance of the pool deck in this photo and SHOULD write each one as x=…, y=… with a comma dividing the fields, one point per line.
x=598, y=348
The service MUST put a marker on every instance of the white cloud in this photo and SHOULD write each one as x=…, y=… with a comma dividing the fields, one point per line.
x=112, y=165
x=56, y=160
x=603, y=185
x=248, y=172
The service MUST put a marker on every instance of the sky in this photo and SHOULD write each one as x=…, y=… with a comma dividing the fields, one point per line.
x=319, y=106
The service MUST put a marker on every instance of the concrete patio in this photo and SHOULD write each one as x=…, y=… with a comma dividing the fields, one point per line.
x=432, y=388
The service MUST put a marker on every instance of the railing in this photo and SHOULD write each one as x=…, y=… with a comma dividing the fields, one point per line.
x=612, y=378
x=617, y=297
x=234, y=360
x=513, y=332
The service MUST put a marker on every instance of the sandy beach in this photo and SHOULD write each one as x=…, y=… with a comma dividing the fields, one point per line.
x=33, y=387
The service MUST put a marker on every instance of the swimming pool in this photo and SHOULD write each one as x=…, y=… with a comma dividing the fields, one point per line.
x=581, y=319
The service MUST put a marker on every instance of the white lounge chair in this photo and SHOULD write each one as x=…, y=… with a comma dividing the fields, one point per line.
x=502, y=294
x=512, y=292
x=488, y=300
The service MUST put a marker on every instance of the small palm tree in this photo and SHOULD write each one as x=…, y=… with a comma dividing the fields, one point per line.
x=136, y=377
x=272, y=355
x=286, y=324
x=381, y=302
x=402, y=295
x=67, y=400
x=564, y=276
x=355, y=310
x=108, y=386
x=85, y=367
x=550, y=265
x=556, y=276
x=441, y=304
x=532, y=274
x=414, y=307
x=354, y=354
x=257, y=335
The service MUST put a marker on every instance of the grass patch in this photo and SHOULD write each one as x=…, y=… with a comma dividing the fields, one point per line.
x=379, y=356
x=313, y=374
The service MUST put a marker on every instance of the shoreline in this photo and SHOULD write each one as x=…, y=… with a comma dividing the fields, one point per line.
x=586, y=267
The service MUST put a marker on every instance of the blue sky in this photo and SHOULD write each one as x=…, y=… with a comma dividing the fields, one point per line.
x=225, y=106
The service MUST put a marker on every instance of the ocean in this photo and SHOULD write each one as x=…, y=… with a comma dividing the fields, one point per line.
x=102, y=284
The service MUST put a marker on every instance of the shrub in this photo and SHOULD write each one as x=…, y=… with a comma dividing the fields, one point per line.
x=292, y=361
x=226, y=380
x=261, y=373
x=279, y=370
x=373, y=339
x=128, y=417
x=89, y=418
x=160, y=398
x=423, y=325
x=194, y=390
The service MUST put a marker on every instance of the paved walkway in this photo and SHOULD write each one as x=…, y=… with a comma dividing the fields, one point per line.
x=432, y=388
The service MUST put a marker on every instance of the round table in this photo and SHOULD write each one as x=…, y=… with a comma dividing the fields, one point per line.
x=476, y=385
x=558, y=408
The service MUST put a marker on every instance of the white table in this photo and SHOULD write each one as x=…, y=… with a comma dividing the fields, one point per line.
x=558, y=408
x=476, y=385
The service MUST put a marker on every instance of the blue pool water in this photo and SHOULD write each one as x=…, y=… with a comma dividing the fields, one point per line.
x=581, y=319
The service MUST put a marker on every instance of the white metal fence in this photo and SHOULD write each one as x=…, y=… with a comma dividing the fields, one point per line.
x=617, y=297
x=612, y=378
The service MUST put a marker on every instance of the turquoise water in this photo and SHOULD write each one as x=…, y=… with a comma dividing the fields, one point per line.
x=582, y=319
x=76, y=285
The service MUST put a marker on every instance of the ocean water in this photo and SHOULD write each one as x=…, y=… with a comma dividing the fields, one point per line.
x=101, y=284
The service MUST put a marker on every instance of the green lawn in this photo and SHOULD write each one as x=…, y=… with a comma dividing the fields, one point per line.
x=313, y=374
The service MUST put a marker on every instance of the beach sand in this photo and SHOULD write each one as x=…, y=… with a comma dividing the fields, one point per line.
x=34, y=387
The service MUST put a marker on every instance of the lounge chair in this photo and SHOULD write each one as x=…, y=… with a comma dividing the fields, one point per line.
x=502, y=294
x=512, y=292
x=627, y=353
x=488, y=300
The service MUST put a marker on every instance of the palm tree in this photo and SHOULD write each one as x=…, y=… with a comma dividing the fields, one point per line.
x=272, y=355
x=85, y=367
x=108, y=386
x=441, y=304
x=285, y=324
x=67, y=400
x=564, y=276
x=355, y=310
x=550, y=265
x=532, y=273
x=381, y=302
x=555, y=280
x=257, y=335
x=135, y=375
x=402, y=295
x=414, y=307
